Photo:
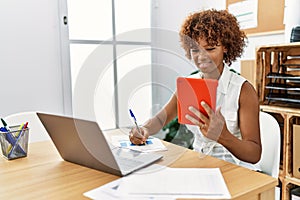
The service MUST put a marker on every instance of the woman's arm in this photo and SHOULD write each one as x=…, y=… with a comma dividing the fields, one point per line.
x=156, y=123
x=163, y=117
x=249, y=147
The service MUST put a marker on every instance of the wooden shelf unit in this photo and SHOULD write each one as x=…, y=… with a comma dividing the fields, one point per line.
x=284, y=60
x=285, y=175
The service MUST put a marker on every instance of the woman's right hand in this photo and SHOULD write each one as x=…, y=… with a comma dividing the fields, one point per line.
x=138, y=138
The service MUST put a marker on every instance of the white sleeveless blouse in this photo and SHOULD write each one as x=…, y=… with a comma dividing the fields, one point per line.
x=228, y=93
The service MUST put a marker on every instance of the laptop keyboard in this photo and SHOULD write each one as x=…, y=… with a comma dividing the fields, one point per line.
x=128, y=163
x=129, y=160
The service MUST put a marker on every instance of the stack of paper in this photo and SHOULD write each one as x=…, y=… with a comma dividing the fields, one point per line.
x=165, y=183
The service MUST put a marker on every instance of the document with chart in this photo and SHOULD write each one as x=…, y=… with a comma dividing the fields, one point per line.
x=152, y=144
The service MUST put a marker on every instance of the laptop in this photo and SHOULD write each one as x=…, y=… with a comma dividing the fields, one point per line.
x=82, y=142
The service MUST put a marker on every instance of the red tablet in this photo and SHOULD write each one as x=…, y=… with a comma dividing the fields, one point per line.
x=190, y=92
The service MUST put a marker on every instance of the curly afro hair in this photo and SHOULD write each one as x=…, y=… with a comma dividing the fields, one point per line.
x=215, y=27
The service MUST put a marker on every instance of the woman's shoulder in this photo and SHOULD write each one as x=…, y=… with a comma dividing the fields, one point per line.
x=235, y=77
x=247, y=87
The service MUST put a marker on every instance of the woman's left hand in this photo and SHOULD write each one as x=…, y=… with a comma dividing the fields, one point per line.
x=211, y=126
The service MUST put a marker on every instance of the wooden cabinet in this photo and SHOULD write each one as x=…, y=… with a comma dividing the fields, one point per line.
x=248, y=70
x=278, y=87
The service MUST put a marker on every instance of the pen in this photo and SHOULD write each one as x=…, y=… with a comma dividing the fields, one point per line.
x=5, y=125
x=10, y=146
x=135, y=122
x=8, y=136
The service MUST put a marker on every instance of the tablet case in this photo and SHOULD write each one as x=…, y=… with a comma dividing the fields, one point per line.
x=190, y=92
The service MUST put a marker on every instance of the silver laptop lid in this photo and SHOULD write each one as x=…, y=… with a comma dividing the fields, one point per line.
x=80, y=141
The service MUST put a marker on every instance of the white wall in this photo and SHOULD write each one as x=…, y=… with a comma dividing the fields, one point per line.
x=34, y=62
x=34, y=71
x=255, y=41
x=291, y=17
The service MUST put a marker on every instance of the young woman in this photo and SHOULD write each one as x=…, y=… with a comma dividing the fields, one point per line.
x=213, y=39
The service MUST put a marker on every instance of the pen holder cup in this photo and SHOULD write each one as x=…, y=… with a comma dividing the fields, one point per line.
x=14, y=144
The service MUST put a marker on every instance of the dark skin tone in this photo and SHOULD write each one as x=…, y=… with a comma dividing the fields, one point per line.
x=210, y=63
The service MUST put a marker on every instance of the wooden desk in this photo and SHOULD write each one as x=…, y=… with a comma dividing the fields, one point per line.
x=44, y=175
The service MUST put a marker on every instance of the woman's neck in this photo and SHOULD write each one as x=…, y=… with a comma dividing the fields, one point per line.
x=216, y=74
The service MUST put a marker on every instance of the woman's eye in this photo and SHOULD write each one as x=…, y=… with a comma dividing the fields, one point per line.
x=195, y=50
x=209, y=49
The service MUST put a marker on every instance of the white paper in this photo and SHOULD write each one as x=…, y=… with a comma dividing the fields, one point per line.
x=176, y=182
x=158, y=182
x=109, y=191
x=153, y=144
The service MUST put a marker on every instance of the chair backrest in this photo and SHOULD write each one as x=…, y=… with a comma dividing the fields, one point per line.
x=37, y=132
x=270, y=139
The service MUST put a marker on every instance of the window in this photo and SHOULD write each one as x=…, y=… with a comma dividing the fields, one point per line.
x=110, y=52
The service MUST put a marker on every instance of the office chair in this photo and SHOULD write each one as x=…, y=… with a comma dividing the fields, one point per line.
x=270, y=140
x=37, y=132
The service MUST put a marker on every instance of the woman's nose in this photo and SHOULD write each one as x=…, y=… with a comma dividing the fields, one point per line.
x=203, y=56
